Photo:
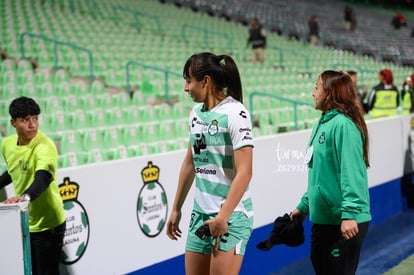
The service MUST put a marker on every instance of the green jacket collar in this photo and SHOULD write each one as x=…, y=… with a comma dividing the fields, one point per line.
x=328, y=115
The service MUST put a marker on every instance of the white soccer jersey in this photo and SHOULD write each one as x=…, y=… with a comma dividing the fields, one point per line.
x=214, y=135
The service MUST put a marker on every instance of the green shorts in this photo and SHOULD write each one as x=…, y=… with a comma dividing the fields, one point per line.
x=239, y=229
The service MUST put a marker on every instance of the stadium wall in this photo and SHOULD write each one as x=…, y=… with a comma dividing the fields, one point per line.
x=116, y=211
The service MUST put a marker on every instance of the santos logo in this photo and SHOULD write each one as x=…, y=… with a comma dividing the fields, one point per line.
x=152, y=202
x=77, y=223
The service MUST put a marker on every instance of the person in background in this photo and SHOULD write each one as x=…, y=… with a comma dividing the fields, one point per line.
x=31, y=159
x=219, y=158
x=407, y=95
x=337, y=197
x=257, y=39
x=398, y=21
x=383, y=100
x=361, y=90
x=313, y=30
x=350, y=18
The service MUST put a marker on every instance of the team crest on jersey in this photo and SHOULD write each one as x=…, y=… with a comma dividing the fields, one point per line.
x=23, y=165
x=152, y=202
x=322, y=138
x=77, y=223
x=213, y=127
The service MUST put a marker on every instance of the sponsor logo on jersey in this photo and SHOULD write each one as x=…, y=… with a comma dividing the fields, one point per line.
x=206, y=171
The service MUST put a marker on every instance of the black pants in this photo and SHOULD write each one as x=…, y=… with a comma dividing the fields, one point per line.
x=46, y=249
x=331, y=254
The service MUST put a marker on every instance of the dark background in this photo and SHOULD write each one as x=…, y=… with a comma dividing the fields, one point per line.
x=387, y=3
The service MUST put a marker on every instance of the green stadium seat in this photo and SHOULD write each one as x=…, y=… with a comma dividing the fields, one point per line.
x=72, y=141
x=130, y=114
x=24, y=65
x=111, y=137
x=59, y=121
x=97, y=117
x=97, y=87
x=62, y=88
x=181, y=128
x=28, y=89
x=51, y=104
x=92, y=138
x=114, y=116
x=45, y=89
x=88, y=101
x=70, y=103
x=80, y=120
x=9, y=91
x=104, y=100
x=134, y=150
x=8, y=65
x=71, y=159
x=121, y=99
x=62, y=76
x=95, y=155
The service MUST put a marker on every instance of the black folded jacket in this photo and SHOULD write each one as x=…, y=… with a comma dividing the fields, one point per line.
x=284, y=231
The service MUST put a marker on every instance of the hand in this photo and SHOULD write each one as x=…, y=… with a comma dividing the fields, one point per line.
x=14, y=200
x=297, y=213
x=218, y=227
x=173, y=229
x=366, y=89
x=349, y=229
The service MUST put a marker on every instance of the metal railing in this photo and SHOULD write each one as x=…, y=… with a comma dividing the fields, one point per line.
x=283, y=52
x=207, y=35
x=56, y=44
x=360, y=70
x=166, y=72
x=136, y=14
x=72, y=6
x=294, y=103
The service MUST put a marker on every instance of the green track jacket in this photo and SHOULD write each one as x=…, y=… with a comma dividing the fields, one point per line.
x=337, y=174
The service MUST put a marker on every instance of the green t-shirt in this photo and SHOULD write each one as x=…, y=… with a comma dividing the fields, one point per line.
x=46, y=211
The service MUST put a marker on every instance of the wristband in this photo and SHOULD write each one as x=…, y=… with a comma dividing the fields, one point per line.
x=26, y=197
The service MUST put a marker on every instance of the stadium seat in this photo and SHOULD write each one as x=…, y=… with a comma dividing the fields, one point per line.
x=114, y=116
x=71, y=159
x=131, y=134
x=95, y=155
x=92, y=138
x=160, y=126
x=96, y=117
x=80, y=120
x=72, y=141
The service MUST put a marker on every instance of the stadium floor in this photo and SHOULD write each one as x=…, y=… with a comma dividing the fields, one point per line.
x=385, y=248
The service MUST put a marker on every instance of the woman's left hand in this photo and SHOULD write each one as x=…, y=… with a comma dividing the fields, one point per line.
x=218, y=227
x=349, y=229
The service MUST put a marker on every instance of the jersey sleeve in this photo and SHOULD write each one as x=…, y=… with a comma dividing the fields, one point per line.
x=46, y=157
x=240, y=128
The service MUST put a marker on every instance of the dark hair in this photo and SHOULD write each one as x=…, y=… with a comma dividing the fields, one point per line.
x=352, y=73
x=221, y=68
x=22, y=107
x=344, y=98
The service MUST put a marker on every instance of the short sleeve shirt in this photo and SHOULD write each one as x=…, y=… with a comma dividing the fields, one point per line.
x=46, y=211
x=214, y=135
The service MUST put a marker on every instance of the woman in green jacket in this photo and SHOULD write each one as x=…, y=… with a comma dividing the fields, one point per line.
x=337, y=198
